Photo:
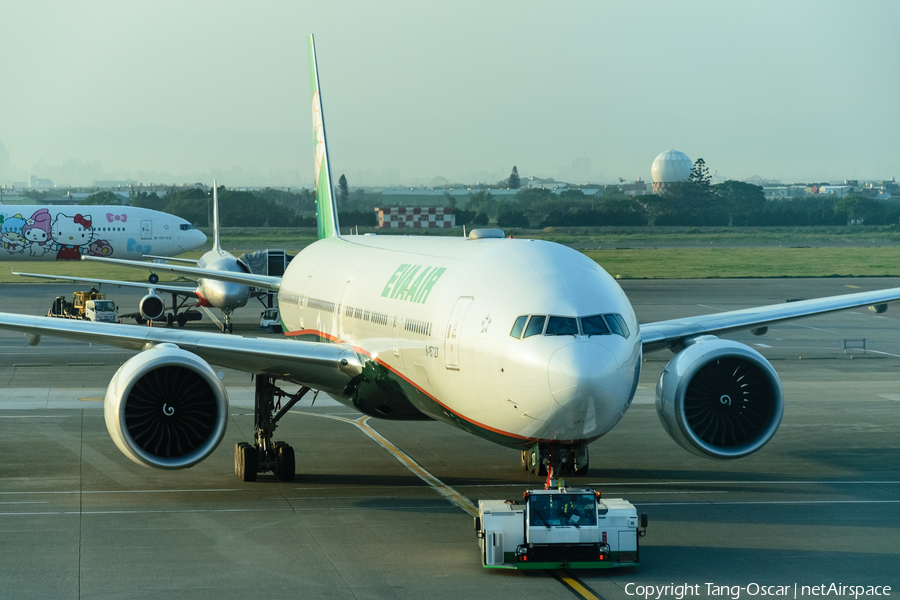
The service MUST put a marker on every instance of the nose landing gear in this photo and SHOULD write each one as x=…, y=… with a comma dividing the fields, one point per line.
x=571, y=459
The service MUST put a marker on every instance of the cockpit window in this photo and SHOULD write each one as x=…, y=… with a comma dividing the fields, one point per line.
x=518, y=326
x=535, y=326
x=621, y=320
x=617, y=325
x=562, y=326
x=594, y=325
x=185, y=226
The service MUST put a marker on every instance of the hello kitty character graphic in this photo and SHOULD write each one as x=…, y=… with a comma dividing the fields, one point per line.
x=72, y=235
x=11, y=237
x=37, y=232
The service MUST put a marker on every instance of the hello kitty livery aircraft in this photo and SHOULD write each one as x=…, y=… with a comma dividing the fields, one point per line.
x=72, y=231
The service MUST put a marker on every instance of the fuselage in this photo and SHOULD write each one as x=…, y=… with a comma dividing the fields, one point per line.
x=442, y=327
x=221, y=294
x=67, y=232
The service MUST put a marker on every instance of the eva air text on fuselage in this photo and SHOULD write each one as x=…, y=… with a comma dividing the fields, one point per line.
x=412, y=282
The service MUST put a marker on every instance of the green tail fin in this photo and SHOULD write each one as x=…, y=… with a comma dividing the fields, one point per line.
x=326, y=207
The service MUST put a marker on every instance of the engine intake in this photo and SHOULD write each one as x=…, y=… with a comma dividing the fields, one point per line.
x=720, y=399
x=166, y=408
x=152, y=307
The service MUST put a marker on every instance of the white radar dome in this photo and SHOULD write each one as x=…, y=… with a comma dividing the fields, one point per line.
x=670, y=167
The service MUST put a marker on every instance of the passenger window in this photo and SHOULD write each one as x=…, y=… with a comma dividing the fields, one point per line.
x=594, y=326
x=562, y=326
x=535, y=326
x=615, y=325
x=518, y=326
x=622, y=324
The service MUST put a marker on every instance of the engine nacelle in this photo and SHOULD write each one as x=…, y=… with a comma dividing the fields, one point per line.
x=152, y=307
x=719, y=398
x=166, y=408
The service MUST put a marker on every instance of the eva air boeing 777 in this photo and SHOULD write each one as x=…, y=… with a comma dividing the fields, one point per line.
x=525, y=343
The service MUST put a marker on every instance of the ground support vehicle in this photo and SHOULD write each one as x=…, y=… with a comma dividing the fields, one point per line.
x=89, y=306
x=559, y=528
x=268, y=319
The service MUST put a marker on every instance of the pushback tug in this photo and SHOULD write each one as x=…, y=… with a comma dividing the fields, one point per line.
x=559, y=527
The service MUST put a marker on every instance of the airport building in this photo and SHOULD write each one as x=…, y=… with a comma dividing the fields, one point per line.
x=670, y=167
x=415, y=217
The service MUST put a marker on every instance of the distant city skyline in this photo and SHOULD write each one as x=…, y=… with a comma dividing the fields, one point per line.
x=798, y=91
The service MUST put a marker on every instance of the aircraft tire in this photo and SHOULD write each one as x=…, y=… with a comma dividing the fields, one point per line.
x=285, y=461
x=237, y=460
x=154, y=278
x=170, y=319
x=182, y=319
x=229, y=328
x=248, y=463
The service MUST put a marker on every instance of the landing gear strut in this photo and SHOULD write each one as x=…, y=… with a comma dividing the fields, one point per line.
x=266, y=455
x=228, y=326
x=569, y=459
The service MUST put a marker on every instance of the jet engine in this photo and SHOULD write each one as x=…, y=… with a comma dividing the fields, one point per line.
x=719, y=399
x=152, y=307
x=166, y=408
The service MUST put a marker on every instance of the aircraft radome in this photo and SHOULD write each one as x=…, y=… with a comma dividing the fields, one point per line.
x=525, y=343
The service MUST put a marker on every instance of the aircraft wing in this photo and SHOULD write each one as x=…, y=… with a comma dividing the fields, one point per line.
x=159, y=287
x=265, y=282
x=317, y=365
x=666, y=334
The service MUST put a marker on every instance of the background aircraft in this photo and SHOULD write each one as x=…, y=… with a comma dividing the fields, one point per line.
x=525, y=343
x=71, y=231
x=224, y=296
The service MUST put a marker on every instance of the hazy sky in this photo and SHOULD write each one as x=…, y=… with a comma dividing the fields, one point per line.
x=794, y=90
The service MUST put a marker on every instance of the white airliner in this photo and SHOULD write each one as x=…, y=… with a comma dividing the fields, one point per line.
x=525, y=343
x=223, y=295
x=69, y=232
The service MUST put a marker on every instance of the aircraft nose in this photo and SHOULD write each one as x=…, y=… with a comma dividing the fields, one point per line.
x=201, y=237
x=582, y=376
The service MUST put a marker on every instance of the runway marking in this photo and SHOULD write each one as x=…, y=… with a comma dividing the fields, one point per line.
x=210, y=510
x=747, y=482
x=35, y=416
x=333, y=497
x=851, y=286
x=124, y=491
x=767, y=502
x=885, y=353
x=575, y=585
x=762, y=345
x=442, y=488
x=894, y=397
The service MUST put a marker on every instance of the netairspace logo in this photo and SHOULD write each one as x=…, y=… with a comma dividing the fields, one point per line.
x=735, y=592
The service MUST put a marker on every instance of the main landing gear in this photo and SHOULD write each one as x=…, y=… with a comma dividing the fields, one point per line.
x=266, y=455
x=565, y=458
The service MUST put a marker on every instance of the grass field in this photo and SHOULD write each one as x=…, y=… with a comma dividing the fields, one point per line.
x=738, y=254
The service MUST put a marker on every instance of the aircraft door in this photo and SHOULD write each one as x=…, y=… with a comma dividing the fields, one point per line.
x=342, y=321
x=397, y=328
x=147, y=230
x=454, y=329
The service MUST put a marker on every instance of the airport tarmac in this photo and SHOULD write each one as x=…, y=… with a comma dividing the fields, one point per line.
x=820, y=504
